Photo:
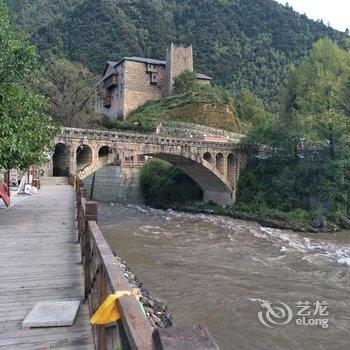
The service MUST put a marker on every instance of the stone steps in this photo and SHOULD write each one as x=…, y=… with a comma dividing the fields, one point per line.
x=55, y=180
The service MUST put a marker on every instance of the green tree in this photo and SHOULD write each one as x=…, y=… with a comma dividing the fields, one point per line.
x=185, y=82
x=316, y=99
x=264, y=129
x=241, y=44
x=25, y=131
x=248, y=106
x=71, y=89
x=314, y=112
x=165, y=185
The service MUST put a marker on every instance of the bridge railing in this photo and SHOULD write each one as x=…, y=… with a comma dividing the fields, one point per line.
x=104, y=276
x=117, y=136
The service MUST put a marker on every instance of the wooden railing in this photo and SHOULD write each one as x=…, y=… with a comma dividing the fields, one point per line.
x=107, y=99
x=111, y=81
x=103, y=276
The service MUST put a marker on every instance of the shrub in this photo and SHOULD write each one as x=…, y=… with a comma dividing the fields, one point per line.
x=164, y=185
x=185, y=82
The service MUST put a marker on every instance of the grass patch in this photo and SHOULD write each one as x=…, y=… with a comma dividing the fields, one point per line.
x=204, y=106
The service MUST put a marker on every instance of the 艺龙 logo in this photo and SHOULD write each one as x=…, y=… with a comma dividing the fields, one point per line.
x=274, y=315
x=308, y=313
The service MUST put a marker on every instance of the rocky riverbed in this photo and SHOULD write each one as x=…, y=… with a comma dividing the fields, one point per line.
x=156, y=311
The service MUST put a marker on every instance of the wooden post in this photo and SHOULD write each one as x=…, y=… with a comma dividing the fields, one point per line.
x=81, y=193
x=90, y=214
x=102, y=288
x=86, y=258
x=92, y=186
x=7, y=182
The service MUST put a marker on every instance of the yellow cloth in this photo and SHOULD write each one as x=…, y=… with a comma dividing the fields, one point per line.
x=108, y=312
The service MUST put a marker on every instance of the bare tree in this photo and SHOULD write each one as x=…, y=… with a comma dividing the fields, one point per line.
x=71, y=89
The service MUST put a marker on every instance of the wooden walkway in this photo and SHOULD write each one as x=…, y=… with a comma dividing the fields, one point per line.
x=40, y=261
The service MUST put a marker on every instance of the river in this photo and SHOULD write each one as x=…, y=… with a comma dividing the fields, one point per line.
x=218, y=271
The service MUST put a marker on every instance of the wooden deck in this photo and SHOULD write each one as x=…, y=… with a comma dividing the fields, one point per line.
x=40, y=261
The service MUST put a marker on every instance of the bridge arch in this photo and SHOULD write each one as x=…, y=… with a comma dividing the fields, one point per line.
x=84, y=157
x=213, y=184
x=208, y=157
x=60, y=160
x=210, y=180
x=104, y=151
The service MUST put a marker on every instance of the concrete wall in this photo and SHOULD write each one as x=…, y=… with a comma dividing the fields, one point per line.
x=115, y=184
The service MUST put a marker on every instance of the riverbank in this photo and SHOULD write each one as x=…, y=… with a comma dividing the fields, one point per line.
x=165, y=186
x=297, y=221
x=155, y=310
x=213, y=270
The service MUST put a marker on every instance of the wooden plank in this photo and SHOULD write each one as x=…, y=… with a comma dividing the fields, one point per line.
x=40, y=260
x=5, y=279
x=27, y=338
x=27, y=306
x=19, y=334
x=136, y=326
x=44, y=295
x=83, y=339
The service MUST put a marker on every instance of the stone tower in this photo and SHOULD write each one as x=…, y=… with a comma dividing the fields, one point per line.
x=178, y=58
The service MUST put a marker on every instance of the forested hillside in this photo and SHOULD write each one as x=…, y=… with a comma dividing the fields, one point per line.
x=241, y=43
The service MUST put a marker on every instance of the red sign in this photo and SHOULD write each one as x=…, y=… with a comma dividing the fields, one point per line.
x=4, y=190
x=4, y=194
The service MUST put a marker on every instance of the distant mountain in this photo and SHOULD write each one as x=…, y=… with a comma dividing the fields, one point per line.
x=241, y=43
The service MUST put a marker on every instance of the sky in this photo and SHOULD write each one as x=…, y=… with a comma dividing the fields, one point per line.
x=336, y=12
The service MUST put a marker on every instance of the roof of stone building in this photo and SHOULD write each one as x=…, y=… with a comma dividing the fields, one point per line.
x=200, y=76
x=203, y=77
x=109, y=63
x=135, y=59
x=145, y=60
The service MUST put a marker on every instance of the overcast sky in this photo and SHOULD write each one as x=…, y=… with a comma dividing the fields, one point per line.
x=336, y=12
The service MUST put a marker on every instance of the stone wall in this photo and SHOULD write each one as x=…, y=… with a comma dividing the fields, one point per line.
x=138, y=87
x=178, y=58
x=115, y=184
x=190, y=130
x=203, y=81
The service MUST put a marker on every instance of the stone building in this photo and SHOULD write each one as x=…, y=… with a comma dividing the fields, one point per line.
x=130, y=82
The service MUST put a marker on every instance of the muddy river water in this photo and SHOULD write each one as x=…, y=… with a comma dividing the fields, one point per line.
x=253, y=287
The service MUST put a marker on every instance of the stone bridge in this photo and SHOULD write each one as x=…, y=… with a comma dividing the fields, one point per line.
x=214, y=166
